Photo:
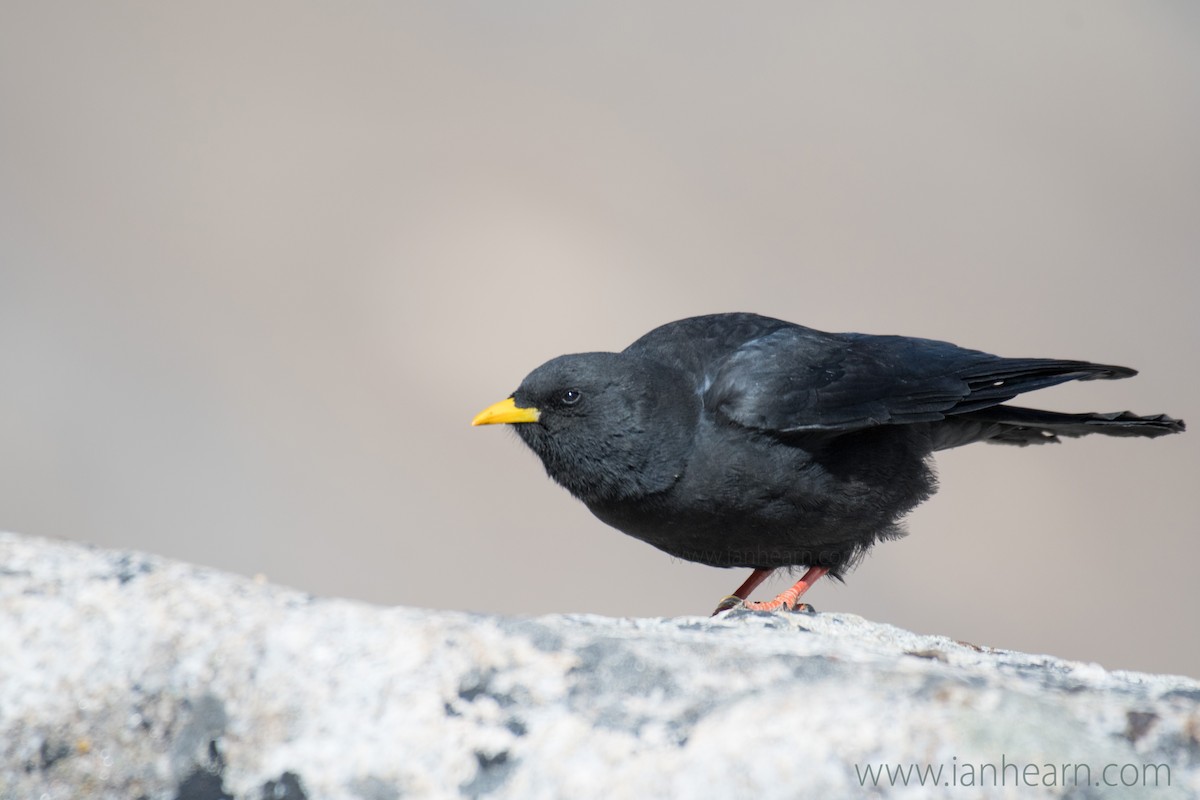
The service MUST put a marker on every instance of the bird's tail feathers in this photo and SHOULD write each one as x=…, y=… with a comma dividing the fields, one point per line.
x=1004, y=424
x=1002, y=380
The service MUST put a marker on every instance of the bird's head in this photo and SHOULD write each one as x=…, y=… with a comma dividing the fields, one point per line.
x=607, y=426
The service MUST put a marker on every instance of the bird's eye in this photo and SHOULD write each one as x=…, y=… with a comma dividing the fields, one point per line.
x=570, y=397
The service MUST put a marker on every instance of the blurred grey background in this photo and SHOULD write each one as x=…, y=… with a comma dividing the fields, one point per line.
x=261, y=263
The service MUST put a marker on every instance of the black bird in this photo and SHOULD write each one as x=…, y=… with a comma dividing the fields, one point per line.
x=737, y=440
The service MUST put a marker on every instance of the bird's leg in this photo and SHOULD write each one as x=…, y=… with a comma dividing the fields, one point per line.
x=752, y=583
x=743, y=591
x=788, y=599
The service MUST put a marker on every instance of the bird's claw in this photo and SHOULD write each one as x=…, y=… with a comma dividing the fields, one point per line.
x=728, y=603
x=798, y=608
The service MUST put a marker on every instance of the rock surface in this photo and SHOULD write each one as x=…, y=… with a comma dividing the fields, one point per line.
x=124, y=675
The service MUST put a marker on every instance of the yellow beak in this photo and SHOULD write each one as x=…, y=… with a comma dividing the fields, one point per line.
x=505, y=411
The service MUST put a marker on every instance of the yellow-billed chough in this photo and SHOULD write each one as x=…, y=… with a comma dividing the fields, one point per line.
x=737, y=440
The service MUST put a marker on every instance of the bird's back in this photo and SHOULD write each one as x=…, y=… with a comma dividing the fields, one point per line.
x=695, y=344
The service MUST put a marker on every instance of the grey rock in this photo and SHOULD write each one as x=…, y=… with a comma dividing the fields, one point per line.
x=123, y=676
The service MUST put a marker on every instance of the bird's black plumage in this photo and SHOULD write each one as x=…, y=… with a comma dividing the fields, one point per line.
x=737, y=440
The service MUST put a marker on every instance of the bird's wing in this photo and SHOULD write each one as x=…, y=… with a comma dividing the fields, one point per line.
x=798, y=379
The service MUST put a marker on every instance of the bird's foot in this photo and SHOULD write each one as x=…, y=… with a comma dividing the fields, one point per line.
x=732, y=601
x=786, y=600
x=778, y=604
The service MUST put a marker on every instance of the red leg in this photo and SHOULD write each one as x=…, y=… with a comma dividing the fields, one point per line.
x=756, y=577
x=788, y=599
